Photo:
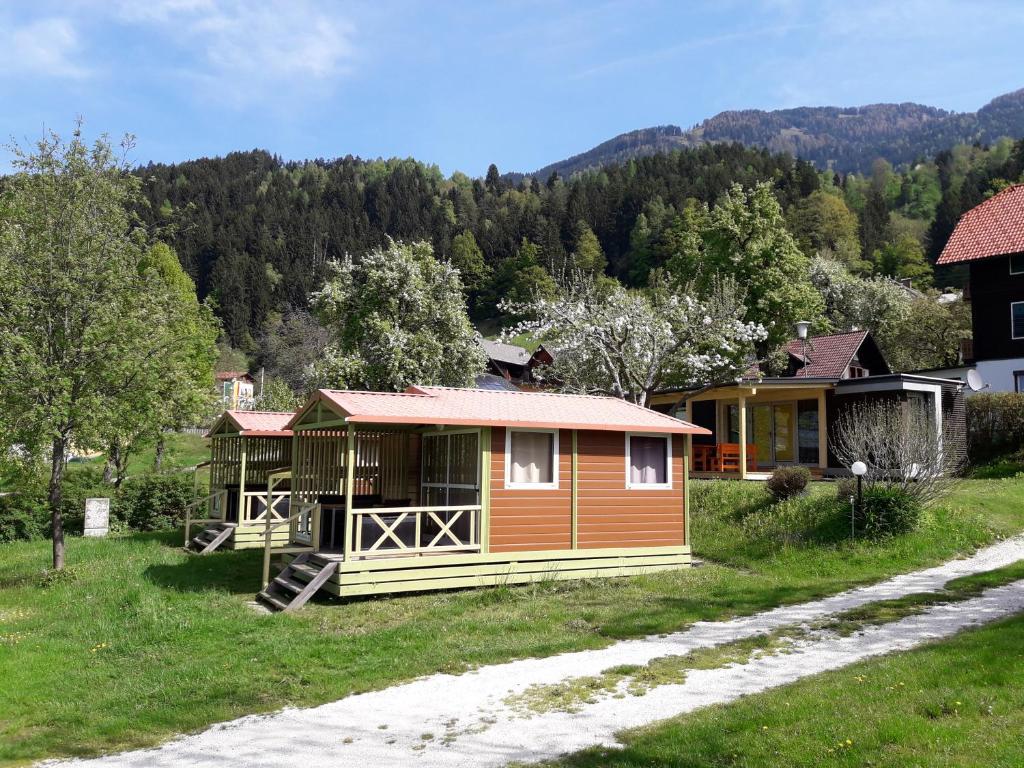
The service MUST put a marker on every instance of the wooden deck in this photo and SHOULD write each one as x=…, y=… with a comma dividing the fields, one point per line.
x=386, y=575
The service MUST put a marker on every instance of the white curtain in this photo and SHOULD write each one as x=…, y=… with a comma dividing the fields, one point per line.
x=532, y=457
x=648, y=457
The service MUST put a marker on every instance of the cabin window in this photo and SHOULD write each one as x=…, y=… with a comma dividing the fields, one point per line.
x=531, y=458
x=1017, y=319
x=648, y=460
x=1017, y=264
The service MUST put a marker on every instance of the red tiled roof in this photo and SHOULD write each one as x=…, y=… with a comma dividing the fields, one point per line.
x=479, y=407
x=230, y=375
x=257, y=423
x=827, y=356
x=994, y=228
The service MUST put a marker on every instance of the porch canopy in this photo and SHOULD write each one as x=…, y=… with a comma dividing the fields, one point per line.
x=247, y=449
x=762, y=423
x=410, y=470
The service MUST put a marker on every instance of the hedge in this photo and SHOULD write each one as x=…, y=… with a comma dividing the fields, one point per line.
x=995, y=424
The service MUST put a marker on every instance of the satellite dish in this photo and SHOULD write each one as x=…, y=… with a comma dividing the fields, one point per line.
x=974, y=380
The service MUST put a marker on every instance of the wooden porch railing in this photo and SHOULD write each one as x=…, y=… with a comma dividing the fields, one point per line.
x=381, y=531
x=214, y=504
x=257, y=504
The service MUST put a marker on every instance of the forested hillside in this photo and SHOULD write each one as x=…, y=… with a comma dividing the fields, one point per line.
x=845, y=139
x=256, y=233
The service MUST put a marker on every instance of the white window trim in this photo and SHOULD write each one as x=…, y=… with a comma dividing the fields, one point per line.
x=552, y=486
x=1012, y=305
x=666, y=486
x=1010, y=260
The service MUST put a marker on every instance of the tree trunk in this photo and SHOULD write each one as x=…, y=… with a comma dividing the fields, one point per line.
x=158, y=459
x=110, y=466
x=56, y=498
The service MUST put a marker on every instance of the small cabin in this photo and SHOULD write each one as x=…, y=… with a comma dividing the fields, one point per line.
x=437, y=488
x=758, y=423
x=250, y=467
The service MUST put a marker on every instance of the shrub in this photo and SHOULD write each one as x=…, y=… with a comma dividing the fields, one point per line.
x=787, y=482
x=23, y=515
x=995, y=424
x=152, y=502
x=845, y=488
x=889, y=510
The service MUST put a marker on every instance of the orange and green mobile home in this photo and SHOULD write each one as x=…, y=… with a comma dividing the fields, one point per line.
x=439, y=488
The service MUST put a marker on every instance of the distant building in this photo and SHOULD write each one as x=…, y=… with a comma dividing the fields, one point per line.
x=237, y=390
x=514, y=363
x=990, y=239
x=759, y=422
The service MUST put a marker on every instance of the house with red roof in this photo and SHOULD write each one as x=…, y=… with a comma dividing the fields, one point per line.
x=989, y=240
x=759, y=422
x=437, y=488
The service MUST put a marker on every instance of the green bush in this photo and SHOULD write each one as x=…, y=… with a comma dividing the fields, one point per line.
x=23, y=515
x=144, y=503
x=152, y=502
x=888, y=510
x=995, y=424
x=787, y=482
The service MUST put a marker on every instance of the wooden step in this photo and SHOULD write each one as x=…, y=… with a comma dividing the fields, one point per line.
x=305, y=571
x=287, y=583
x=286, y=593
x=273, y=600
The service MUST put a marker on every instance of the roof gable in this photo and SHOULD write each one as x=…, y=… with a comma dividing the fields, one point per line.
x=993, y=228
x=830, y=356
x=254, y=423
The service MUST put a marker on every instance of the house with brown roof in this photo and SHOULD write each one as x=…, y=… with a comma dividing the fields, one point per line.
x=989, y=239
x=512, y=363
x=759, y=422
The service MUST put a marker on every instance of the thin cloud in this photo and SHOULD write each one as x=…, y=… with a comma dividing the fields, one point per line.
x=43, y=47
x=687, y=45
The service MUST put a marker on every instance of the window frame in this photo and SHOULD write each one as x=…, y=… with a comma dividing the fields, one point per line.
x=1013, y=335
x=1018, y=376
x=509, y=484
x=1010, y=260
x=667, y=485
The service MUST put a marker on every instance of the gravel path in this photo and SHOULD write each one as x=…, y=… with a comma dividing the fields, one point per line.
x=462, y=720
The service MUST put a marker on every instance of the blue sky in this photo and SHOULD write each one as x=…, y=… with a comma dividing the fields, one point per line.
x=464, y=84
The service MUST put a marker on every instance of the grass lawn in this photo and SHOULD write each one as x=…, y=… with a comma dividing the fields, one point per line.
x=181, y=450
x=143, y=641
x=957, y=703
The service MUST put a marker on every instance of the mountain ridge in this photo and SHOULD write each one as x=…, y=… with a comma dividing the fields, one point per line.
x=845, y=139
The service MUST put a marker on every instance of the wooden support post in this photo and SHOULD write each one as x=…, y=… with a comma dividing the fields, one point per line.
x=485, y=490
x=822, y=432
x=350, y=477
x=687, y=454
x=575, y=508
x=241, y=484
x=743, y=436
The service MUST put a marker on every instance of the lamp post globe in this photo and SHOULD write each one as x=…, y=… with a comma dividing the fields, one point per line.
x=859, y=469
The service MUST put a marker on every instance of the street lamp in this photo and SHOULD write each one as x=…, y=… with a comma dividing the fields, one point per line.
x=859, y=469
x=802, y=327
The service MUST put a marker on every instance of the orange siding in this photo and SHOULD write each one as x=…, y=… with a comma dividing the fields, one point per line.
x=609, y=514
x=524, y=520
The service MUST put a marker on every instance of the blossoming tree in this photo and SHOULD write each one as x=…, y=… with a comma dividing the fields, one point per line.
x=630, y=343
